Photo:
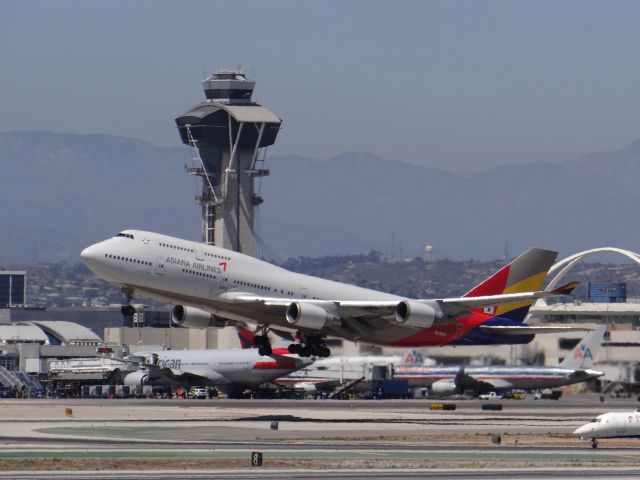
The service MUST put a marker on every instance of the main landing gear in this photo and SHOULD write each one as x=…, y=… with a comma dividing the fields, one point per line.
x=263, y=343
x=594, y=443
x=312, y=345
x=127, y=309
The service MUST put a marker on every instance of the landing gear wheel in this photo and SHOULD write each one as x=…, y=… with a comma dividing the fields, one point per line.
x=312, y=345
x=127, y=309
x=263, y=344
x=594, y=443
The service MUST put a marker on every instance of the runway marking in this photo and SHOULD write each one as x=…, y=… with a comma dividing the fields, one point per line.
x=439, y=455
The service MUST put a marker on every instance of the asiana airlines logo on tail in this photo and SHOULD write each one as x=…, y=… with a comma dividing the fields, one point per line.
x=583, y=352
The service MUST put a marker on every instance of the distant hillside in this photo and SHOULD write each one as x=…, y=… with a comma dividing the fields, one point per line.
x=58, y=192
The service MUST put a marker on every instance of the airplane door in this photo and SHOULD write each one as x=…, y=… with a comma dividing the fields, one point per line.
x=303, y=292
x=199, y=254
x=160, y=265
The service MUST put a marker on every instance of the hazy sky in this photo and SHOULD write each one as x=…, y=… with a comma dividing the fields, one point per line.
x=463, y=85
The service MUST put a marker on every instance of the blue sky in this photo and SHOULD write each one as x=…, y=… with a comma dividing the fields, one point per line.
x=462, y=85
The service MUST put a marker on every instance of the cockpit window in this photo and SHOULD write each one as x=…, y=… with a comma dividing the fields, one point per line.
x=127, y=235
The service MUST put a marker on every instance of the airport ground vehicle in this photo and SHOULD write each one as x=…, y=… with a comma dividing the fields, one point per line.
x=199, y=392
x=490, y=396
x=548, y=394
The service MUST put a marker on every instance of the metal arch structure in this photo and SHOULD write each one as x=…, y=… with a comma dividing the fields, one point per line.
x=563, y=266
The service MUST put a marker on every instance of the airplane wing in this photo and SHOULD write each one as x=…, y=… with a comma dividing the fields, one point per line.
x=380, y=306
x=443, y=310
x=465, y=381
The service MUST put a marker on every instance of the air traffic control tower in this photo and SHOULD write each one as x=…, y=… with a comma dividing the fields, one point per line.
x=228, y=131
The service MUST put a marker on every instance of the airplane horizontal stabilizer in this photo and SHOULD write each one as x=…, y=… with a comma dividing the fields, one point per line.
x=529, y=330
x=489, y=300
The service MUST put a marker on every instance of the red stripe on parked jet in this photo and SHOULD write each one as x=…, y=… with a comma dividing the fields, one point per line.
x=282, y=364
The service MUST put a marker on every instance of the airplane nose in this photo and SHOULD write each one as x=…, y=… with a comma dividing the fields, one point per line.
x=87, y=253
x=90, y=255
x=581, y=430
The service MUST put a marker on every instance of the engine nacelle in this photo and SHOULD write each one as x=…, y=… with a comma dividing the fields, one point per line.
x=443, y=388
x=415, y=314
x=190, y=317
x=307, y=389
x=308, y=315
x=136, y=378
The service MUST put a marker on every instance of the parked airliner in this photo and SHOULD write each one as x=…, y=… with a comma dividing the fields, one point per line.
x=210, y=286
x=230, y=368
x=450, y=380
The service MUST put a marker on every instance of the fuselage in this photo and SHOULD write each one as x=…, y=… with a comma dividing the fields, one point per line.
x=510, y=377
x=220, y=367
x=611, y=425
x=207, y=277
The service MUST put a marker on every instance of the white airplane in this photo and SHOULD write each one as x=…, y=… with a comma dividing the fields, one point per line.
x=457, y=379
x=611, y=425
x=210, y=286
x=231, y=369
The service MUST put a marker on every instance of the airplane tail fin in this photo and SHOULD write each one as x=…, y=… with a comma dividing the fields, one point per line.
x=413, y=357
x=526, y=273
x=246, y=337
x=584, y=353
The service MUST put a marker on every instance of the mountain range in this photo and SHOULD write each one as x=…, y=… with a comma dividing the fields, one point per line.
x=60, y=192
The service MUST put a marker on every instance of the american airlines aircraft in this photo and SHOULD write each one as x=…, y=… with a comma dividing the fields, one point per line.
x=231, y=368
x=210, y=286
x=450, y=380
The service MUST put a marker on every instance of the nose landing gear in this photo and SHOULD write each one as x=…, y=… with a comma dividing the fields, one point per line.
x=127, y=309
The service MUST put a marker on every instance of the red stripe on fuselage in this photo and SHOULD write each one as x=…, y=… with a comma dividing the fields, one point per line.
x=439, y=335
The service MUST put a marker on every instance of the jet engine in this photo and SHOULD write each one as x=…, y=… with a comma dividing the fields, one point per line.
x=137, y=378
x=442, y=388
x=308, y=315
x=415, y=314
x=307, y=389
x=190, y=317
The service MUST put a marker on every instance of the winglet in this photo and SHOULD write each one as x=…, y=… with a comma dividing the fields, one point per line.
x=566, y=289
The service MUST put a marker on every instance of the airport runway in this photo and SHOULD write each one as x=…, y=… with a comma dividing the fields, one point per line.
x=313, y=439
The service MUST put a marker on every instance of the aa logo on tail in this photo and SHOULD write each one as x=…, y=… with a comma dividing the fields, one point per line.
x=413, y=357
x=583, y=352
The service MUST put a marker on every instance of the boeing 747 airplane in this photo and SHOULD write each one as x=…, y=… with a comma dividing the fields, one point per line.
x=211, y=286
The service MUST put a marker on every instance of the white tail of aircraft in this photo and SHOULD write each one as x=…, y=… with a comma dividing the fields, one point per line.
x=584, y=354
